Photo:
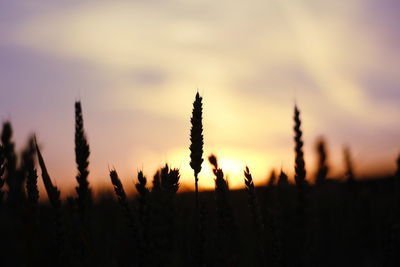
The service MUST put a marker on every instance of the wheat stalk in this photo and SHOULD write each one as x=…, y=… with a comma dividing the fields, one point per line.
x=54, y=197
x=196, y=138
x=82, y=153
x=392, y=232
x=31, y=173
x=141, y=185
x=322, y=162
x=221, y=185
x=123, y=202
x=11, y=175
x=2, y=168
x=28, y=171
x=162, y=215
x=272, y=179
x=121, y=195
x=258, y=220
x=156, y=183
x=225, y=219
x=300, y=171
x=398, y=167
x=283, y=179
x=349, y=172
x=173, y=181
x=52, y=191
x=300, y=179
x=143, y=194
x=143, y=199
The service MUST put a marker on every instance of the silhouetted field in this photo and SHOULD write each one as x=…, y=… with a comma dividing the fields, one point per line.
x=345, y=225
x=353, y=222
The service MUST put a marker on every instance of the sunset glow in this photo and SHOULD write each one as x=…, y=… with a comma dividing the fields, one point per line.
x=137, y=65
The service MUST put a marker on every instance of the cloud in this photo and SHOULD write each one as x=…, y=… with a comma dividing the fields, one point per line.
x=171, y=47
x=249, y=61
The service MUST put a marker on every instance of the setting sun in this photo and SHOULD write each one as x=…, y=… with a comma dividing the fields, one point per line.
x=200, y=133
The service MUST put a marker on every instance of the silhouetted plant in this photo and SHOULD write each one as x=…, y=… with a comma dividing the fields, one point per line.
x=368, y=216
x=300, y=171
x=255, y=210
x=2, y=168
x=283, y=179
x=271, y=221
x=196, y=138
x=28, y=165
x=170, y=181
x=225, y=220
x=349, y=172
x=196, y=157
x=393, y=238
x=156, y=226
x=322, y=162
x=54, y=197
x=221, y=185
x=82, y=153
x=31, y=223
x=143, y=194
x=397, y=192
x=52, y=191
x=132, y=223
x=122, y=199
x=77, y=241
x=170, y=184
x=300, y=179
x=162, y=215
x=272, y=179
x=143, y=199
x=12, y=179
x=156, y=183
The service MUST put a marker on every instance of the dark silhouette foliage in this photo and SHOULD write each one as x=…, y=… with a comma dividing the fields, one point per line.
x=300, y=170
x=272, y=179
x=301, y=183
x=349, y=172
x=54, y=197
x=258, y=220
x=29, y=170
x=121, y=196
x=226, y=224
x=143, y=195
x=283, y=179
x=323, y=168
x=12, y=178
x=2, y=169
x=291, y=225
x=52, y=191
x=82, y=153
x=197, y=142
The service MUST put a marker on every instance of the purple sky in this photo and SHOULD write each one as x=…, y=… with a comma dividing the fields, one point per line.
x=136, y=66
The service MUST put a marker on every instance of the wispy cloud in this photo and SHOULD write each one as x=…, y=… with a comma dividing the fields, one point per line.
x=251, y=61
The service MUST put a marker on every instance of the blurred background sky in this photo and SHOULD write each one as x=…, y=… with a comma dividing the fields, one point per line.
x=136, y=67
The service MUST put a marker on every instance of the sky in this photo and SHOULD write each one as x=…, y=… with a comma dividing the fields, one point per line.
x=137, y=65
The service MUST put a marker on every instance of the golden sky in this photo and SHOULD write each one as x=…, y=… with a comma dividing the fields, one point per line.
x=136, y=66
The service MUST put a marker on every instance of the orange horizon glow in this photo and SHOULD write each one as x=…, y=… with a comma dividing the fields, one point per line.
x=136, y=67
x=230, y=161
